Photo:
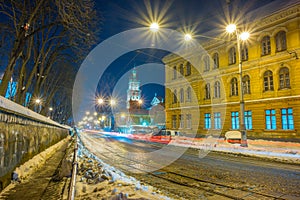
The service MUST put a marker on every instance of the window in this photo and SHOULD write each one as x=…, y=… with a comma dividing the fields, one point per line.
x=246, y=84
x=244, y=53
x=174, y=120
x=188, y=69
x=270, y=119
x=207, y=91
x=188, y=95
x=284, y=78
x=287, y=119
x=206, y=63
x=181, y=70
x=188, y=121
x=234, y=87
x=217, y=89
x=217, y=120
x=280, y=38
x=175, y=96
x=207, y=120
x=181, y=95
x=248, y=119
x=232, y=56
x=235, y=120
x=216, y=60
x=181, y=123
x=268, y=81
x=174, y=72
x=265, y=46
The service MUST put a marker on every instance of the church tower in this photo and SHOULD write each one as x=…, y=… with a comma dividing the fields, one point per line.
x=133, y=92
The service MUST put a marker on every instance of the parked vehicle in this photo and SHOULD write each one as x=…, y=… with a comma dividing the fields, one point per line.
x=164, y=136
x=233, y=137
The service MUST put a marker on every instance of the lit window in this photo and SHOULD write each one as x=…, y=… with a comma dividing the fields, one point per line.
x=265, y=46
x=188, y=121
x=270, y=119
x=284, y=78
x=217, y=120
x=268, y=81
x=207, y=91
x=232, y=56
x=181, y=69
x=175, y=96
x=207, y=120
x=248, y=119
x=287, y=119
x=246, y=84
x=234, y=87
x=216, y=60
x=174, y=72
x=244, y=53
x=280, y=41
x=181, y=123
x=174, y=121
x=206, y=63
x=217, y=88
x=188, y=69
x=235, y=120
x=181, y=95
x=188, y=95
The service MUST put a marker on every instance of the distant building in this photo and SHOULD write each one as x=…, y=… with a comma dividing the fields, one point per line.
x=271, y=79
x=133, y=92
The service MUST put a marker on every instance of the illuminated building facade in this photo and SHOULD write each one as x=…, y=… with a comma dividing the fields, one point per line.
x=271, y=80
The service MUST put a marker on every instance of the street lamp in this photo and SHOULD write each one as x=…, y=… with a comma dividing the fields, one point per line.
x=188, y=37
x=154, y=27
x=231, y=28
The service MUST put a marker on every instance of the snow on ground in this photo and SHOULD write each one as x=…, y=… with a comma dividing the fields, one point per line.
x=97, y=179
x=277, y=150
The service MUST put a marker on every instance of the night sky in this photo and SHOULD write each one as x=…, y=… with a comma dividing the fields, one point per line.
x=198, y=17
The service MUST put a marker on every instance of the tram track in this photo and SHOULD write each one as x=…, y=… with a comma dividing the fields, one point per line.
x=182, y=180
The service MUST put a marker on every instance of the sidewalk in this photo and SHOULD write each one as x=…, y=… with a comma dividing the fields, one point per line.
x=37, y=176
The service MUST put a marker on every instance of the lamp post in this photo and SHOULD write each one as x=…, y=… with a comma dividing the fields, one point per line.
x=231, y=28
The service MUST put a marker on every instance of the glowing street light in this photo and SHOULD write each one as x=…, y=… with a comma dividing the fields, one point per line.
x=113, y=102
x=188, y=37
x=38, y=101
x=100, y=101
x=154, y=27
x=231, y=28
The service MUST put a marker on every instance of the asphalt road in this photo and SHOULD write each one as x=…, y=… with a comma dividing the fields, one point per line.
x=197, y=174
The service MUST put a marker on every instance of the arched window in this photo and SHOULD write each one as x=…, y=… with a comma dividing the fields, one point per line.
x=207, y=91
x=246, y=84
x=181, y=70
x=244, y=53
x=181, y=95
x=232, y=56
x=265, y=46
x=175, y=96
x=188, y=95
x=284, y=78
x=188, y=69
x=268, y=81
x=234, y=87
x=216, y=60
x=174, y=72
x=206, y=63
x=280, y=38
x=217, y=89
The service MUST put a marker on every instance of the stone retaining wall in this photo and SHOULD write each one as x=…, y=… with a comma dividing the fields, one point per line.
x=21, y=138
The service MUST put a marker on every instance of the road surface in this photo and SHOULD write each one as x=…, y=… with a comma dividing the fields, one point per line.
x=215, y=176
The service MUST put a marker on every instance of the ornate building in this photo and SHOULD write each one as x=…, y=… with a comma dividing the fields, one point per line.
x=133, y=92
x=208, y=101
